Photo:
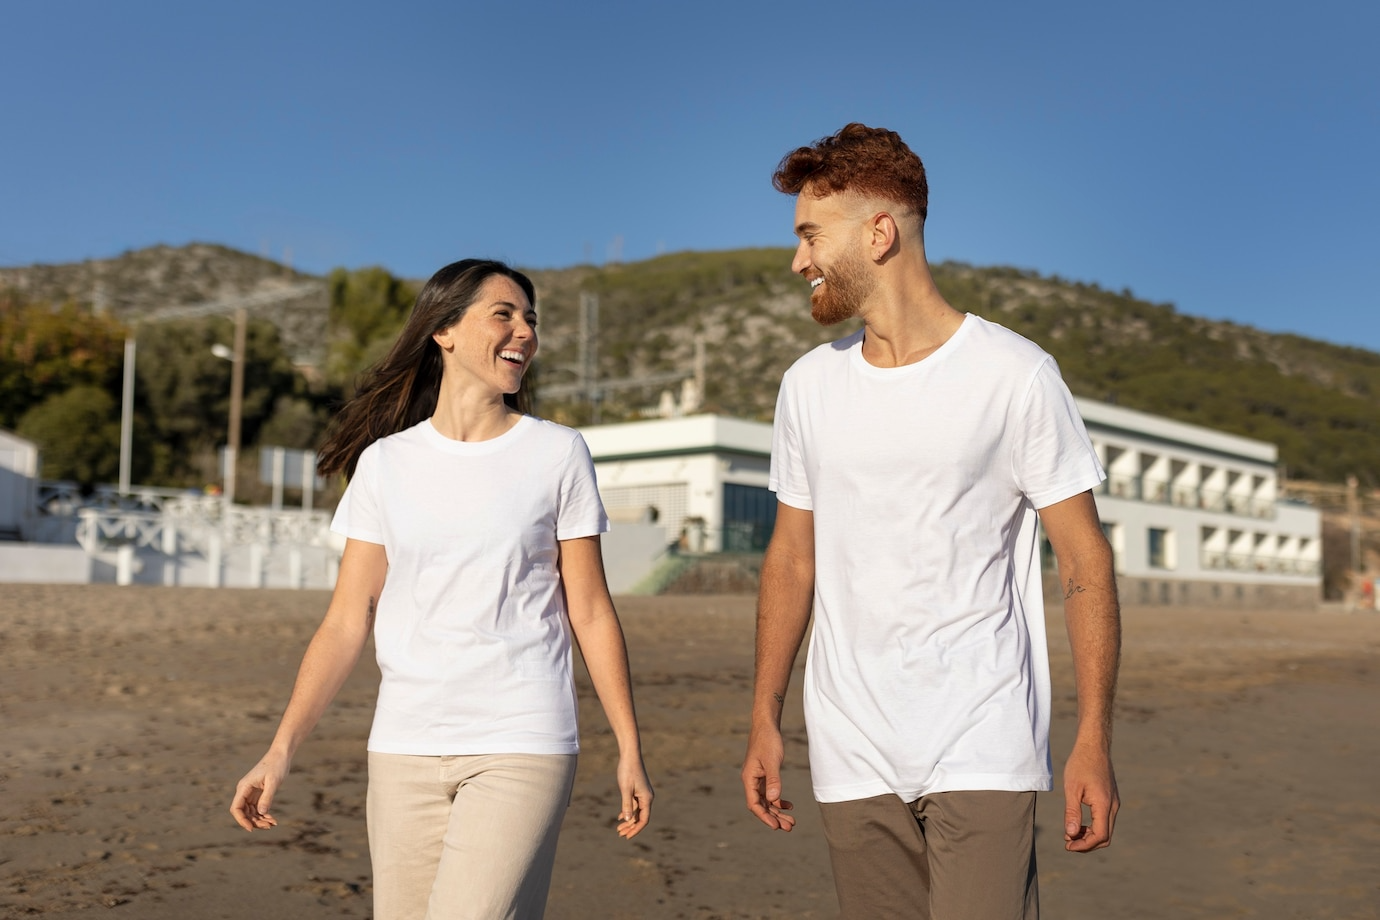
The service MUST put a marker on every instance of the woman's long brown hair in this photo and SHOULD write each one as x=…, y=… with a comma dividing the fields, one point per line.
x=402, y=389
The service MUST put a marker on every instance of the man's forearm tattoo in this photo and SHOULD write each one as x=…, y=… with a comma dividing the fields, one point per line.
x=1072, y=589
x=779, y=698
x=371, y=612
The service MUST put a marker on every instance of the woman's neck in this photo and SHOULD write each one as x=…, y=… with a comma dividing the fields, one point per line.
x=469, y=419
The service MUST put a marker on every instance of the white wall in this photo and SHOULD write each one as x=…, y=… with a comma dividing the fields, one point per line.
x=43, y=564
x=18, y=481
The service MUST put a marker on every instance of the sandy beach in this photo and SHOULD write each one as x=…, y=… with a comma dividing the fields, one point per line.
x=1247, y=748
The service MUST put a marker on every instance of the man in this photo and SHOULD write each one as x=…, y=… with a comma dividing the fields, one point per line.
x=910, y=460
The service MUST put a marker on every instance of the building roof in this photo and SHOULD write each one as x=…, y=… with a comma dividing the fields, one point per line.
x=695, y=434
x=699, y=434
x=1107, y=416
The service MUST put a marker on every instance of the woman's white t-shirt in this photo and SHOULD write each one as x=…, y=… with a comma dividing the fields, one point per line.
x=471, y=631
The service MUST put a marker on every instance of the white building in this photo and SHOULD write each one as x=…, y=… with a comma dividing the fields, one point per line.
x=1193, y=514
x=18, y=475
x=702, y=480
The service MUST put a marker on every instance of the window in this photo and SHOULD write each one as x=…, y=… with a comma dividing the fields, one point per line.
x=1161, y=548
x=749, y=516
x=636, y=503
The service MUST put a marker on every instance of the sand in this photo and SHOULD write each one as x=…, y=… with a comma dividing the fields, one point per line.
x=1246, y=750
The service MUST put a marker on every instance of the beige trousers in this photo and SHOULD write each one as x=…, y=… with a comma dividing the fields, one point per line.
x=465, y=837
x=947, y=856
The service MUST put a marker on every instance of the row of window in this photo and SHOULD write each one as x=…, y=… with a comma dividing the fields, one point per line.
x=1139, y=488
x=1230, y=551
x=1142, y=475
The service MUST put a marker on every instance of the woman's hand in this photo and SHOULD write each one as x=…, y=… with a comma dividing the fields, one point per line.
x=254, y=794
x=637, y=794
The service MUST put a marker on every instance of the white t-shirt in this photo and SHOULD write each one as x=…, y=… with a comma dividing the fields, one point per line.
x=471, y=631
x=927, y=669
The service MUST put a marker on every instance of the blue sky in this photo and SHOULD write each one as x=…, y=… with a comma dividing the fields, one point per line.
x=1218, y=156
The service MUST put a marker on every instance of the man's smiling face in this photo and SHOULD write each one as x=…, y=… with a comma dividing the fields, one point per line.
x=830, y=256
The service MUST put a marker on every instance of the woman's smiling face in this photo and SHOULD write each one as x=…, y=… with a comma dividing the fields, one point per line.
x=495, y=340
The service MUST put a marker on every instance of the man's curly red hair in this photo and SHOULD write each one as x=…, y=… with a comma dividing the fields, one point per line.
x=867, y=161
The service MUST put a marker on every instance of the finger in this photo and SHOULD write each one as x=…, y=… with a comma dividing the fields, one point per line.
x=1100, y=834
x=766, y=811
x=259, y=804
x=773, y=788
x=753, y=793
x=639, y=819
x=1073, y=814
x=238, y=812
x=242, y=806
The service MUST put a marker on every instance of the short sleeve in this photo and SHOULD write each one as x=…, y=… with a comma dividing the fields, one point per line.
x=579, y=511
x=787, y=477
x=357, y=516
x=1052, y=456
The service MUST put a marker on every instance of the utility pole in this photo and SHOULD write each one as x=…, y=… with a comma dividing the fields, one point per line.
x=211, y=308
x=1353, y=508
x=588, y=386
x=127, y=416
x=589, y=352
x=232, y=453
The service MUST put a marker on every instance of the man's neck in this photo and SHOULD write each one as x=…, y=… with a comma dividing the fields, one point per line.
x=906, y=320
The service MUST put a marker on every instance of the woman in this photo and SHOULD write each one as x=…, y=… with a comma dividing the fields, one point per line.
x=485, y=521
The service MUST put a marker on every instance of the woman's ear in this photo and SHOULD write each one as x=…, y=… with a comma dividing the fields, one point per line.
x=444, y=339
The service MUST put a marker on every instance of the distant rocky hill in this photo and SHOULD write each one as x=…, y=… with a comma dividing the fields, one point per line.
x=1319, y=402
x=142, y=282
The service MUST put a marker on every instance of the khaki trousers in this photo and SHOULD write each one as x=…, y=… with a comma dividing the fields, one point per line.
x=947, y=856
x=465, y=837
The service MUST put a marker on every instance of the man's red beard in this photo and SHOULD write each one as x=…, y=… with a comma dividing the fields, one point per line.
x=845, y=287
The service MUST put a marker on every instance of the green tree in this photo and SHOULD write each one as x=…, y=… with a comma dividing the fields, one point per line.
x=78, y=433
x=185, y=390
x=46, y=351
x=295, y=424
x=368, y=307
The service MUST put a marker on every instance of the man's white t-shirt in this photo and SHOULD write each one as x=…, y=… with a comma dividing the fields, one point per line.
x=471, y=631
x=927, y=669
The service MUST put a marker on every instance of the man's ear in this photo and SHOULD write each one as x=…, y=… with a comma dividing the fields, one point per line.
x=885, y=235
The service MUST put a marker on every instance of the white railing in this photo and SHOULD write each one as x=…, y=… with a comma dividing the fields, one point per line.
x=205, y=528
x=60, y=498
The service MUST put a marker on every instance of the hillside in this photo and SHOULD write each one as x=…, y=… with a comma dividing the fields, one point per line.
x=1319, y=402
x=144, y=281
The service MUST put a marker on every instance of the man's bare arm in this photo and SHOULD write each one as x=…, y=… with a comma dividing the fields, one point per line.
x=783, y=613
x=1093, y=617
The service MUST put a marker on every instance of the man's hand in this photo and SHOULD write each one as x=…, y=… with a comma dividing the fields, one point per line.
x=1088, y=780
x=762, y=779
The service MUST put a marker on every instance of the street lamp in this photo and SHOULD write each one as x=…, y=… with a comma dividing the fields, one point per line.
x=236, y=359
x=271, y=295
